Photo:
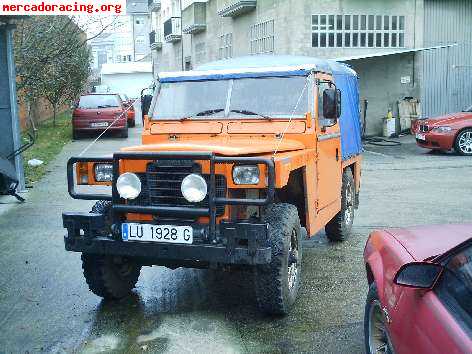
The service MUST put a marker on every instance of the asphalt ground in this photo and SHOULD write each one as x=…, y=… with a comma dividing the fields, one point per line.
x=45, y=304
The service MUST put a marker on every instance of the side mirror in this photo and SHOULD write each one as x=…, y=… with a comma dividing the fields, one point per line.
x=421, y=275
x=331, y=103
x=145, y=104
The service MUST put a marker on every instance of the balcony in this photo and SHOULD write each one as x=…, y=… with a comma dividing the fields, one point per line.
x=154, y=5
x=172, y=30
x=233, y=8
x=155, y=40
x=194, y=18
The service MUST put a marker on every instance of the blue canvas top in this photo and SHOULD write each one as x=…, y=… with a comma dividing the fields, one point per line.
x=286, y=65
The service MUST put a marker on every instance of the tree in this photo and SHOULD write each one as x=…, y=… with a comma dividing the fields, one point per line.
x=52, y=59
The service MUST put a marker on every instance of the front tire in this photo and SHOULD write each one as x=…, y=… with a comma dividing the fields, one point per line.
x=339, y=228
x=110, y=277
x=277, y=283
x=376, y=337
x=463, y=142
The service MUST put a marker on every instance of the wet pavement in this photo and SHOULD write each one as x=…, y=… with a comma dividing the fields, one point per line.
x=45, y=304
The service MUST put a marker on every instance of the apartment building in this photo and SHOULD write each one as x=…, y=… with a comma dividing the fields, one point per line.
x=402, y=48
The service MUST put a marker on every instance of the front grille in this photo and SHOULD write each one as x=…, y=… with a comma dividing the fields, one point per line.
x=424, y=128
x=160, y=185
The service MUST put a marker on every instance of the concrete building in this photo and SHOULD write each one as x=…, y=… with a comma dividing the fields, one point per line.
x=127, y=40
x=397, y=47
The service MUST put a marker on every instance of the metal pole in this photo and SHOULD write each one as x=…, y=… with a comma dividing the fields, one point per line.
x=14, y=109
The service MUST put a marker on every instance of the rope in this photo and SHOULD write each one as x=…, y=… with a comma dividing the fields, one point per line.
x=291, y=118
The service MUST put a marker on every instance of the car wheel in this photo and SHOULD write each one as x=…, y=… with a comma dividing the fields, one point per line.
x=376, y=337
x=339, y=228
x=76, y=135
x=277, y=283
x=463, y=143
x=131, y=123
x=124, y=133
x=110, y=277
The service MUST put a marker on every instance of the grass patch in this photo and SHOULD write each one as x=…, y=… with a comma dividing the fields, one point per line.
x=49, y=142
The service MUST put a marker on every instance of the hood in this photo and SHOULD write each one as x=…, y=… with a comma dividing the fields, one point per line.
x=228, y=146
x=424, y=242
x=448, y=119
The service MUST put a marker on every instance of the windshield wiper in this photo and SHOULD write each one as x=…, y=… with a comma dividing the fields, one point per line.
x=203, y=113
x=250, y=113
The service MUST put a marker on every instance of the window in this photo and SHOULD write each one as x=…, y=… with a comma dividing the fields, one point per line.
x=454, y=288
x=357, y=31
x=225, y=49
x=140, y=40
x=262, y=37
x=200, y=52
x=99, y=101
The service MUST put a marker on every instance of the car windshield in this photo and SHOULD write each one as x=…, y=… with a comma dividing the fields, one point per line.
x=99, y=101
x=468, y=109
x=274, y=97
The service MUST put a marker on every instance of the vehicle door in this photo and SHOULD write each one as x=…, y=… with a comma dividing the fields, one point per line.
x=439, y=320
x=329, y=154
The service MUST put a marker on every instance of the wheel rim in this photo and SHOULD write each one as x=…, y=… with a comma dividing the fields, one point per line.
x=465, y=142
x=293, y=253
x=349, y=212
x=379, y=341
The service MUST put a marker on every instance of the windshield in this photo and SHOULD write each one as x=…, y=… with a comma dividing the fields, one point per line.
x=276, y=97
x=99, y=101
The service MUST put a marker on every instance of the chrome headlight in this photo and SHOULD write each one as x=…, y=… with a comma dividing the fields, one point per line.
x=248, y=174
x=194, y=188
x=103, y=172
x=128, y=185
x=442, y=129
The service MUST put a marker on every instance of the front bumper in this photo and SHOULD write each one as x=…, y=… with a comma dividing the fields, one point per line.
x=240, y=242
x=433, y=140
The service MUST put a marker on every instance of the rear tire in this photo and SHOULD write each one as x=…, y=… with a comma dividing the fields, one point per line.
x=110, y=277
x=76, y=135
x=375, y=328
x=339, y=228
x=463, y=142
x=131, y=123
x=277, y=283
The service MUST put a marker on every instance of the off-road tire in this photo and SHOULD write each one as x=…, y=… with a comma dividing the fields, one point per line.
x=274, y=296
x=104, y=207
x=462, y=134
x=372, y=299
x=339, y=228
x=110, y=277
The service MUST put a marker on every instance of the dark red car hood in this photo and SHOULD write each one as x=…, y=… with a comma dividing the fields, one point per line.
x=449, y=119
x=424, y=242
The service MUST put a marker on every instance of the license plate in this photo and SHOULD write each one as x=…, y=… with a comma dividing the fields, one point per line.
x=156, y=233
x=420, y=136
x=99, y=124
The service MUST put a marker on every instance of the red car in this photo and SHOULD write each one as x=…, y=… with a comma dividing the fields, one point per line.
x=128, y=103
x=452, y=131
x=97, y=112
x=420, y=290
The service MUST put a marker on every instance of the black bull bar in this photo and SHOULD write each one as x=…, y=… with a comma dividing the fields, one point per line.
x=119, y=207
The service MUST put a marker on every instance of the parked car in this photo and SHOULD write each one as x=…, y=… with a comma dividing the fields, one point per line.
x=452, y=131
x=420, y=290
x=128, y=103
x=96, y=112
x=216, y=184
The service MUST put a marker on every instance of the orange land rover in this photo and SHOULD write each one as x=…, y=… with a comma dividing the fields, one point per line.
x=239, y=162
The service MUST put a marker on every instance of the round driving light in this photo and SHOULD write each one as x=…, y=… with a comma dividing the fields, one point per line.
x=128, y=185
x=194, y=188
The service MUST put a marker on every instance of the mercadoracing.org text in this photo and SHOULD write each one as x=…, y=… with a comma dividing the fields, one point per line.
x=62, y=7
